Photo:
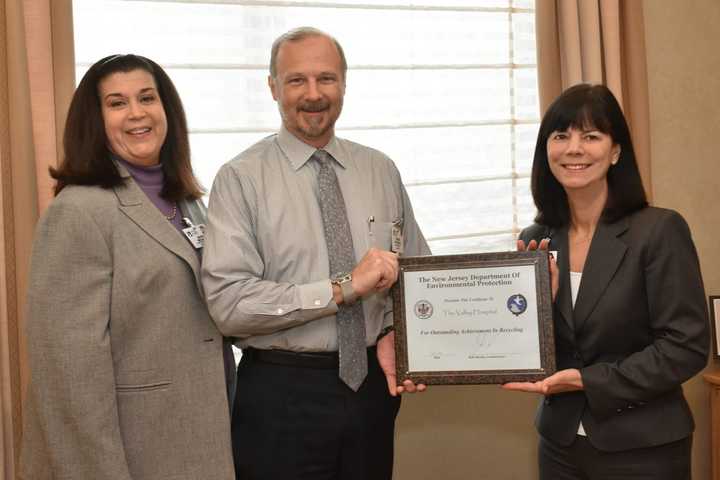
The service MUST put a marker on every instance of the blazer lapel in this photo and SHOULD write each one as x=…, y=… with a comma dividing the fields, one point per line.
x=196, y=212
x=135, y=204
x=563, y=302
x=603, y=259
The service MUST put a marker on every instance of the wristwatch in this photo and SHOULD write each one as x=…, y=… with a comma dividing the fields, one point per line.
x=344, y=281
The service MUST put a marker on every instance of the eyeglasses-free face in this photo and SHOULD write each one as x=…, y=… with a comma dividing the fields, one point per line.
x=580, y=159
x=309, y=88
x=134, y=117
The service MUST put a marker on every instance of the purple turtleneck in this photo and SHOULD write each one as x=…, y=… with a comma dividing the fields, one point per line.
x=150, y=180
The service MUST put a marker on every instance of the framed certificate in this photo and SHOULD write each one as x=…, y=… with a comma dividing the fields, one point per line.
x=473, y=319
x=715, y=322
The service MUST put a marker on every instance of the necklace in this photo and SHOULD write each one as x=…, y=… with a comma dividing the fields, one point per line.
x=173, y=214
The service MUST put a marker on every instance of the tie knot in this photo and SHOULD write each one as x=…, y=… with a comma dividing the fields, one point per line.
x=322, y=157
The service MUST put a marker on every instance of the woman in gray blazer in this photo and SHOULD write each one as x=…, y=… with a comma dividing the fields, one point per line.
x=127, y=368
x=630, y=314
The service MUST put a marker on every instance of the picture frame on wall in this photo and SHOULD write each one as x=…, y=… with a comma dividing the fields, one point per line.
x=714, y=301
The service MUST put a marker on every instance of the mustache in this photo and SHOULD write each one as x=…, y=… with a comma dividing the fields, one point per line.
x=318, y=106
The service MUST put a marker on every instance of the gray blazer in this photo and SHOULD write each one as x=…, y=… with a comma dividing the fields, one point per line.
x=127, y=378
x=639, y=329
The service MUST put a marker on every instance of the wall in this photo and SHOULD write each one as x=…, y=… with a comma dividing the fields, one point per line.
x=684, y=85
x=484, y=433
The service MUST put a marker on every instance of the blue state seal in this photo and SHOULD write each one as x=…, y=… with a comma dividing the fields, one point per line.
x=517, y=304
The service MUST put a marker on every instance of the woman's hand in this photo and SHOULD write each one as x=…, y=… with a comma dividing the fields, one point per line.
x=386, y=359
x=554, y=273
x=568, y=380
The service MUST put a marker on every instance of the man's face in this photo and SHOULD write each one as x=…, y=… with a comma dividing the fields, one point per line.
x=309, y=87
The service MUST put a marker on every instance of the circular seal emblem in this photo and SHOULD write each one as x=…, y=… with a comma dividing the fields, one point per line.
x=423, y=309
x=517, y=304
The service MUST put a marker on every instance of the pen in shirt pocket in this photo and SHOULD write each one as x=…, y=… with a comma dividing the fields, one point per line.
x=371, y=232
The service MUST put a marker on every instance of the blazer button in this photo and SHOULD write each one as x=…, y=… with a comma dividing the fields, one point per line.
x=619, y=410
x=631, y=406
x=576, y=355
x=547, y=401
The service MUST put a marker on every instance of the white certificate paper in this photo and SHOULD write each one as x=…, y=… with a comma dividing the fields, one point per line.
x=480, y=318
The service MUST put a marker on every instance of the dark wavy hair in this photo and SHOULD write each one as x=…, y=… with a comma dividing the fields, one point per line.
x=87, y=159
x=586, y=106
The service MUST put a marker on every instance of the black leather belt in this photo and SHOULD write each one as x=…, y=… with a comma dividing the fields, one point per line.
x=296, y=359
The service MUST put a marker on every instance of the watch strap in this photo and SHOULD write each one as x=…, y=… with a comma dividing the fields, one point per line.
x=346, y=288
x=348, y=293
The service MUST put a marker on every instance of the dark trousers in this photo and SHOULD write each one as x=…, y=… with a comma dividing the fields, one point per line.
x=301, y=422
x=582, y=461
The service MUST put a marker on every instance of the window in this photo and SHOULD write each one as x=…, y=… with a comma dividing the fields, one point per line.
x=447, y=88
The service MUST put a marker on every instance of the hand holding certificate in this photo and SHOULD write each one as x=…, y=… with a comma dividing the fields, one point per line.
x=480, y=318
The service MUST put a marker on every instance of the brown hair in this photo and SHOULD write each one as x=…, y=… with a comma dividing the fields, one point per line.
x=87, y=159
x=298, y=34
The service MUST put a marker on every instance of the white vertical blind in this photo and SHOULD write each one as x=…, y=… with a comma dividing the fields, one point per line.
x=448, y=89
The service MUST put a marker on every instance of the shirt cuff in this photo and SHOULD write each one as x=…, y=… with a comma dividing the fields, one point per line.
x=316, y=295
x=388, y=319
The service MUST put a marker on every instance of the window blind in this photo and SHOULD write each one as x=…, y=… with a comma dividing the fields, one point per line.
x=448, y=89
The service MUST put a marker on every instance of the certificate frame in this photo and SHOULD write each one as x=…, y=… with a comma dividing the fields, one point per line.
x=538, y=259
x=714, y=301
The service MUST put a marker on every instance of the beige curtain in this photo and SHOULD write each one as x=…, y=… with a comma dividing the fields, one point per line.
x=36, y=82
x=597, y=41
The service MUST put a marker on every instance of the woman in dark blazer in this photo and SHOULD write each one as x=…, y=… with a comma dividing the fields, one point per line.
x=630, y=314
x=127, y=367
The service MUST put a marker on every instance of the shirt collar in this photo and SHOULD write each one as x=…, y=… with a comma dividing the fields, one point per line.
x=299, y=152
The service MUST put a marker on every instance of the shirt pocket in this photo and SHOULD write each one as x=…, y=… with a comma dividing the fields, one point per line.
x=379, y=235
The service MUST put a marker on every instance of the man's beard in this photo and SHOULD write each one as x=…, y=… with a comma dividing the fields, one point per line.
x=315, y=127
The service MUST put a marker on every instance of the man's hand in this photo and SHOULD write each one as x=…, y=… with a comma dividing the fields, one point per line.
x=386, y=359
x=377, y=271
x=554, y=272
x=568, y=380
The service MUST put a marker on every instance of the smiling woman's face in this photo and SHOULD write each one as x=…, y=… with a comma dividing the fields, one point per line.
x=134, y=117
x=581, y=158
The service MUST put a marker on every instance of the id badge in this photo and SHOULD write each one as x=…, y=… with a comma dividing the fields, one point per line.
x=397, y=243
x=194, y=233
